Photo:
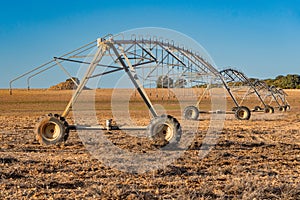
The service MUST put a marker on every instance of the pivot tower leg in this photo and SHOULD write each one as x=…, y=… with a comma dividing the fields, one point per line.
x=97, y=58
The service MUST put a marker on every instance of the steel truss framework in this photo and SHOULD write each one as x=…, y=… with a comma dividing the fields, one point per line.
x=237, y=80
x=273, y=94
x=146, y=61
x=260, y=89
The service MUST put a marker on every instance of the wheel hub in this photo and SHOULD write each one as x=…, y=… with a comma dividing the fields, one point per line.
x=189, y=113
x=51, y=131
x=168, y=132
x=164, y=131
x=242, y=114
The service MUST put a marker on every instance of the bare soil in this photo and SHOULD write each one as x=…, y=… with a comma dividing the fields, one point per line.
x=259, y=158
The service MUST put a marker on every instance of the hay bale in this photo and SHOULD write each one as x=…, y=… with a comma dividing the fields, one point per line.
x=67, y=85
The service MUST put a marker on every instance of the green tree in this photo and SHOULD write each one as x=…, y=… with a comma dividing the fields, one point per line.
x=164, y=82
x=290, y=81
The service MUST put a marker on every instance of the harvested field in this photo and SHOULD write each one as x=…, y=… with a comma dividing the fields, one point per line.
x=259, y=158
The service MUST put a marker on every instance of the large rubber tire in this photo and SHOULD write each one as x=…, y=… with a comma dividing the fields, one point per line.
x=287, y=107
x=282, y=108
x=269, y=109
x=164, y=130
x=243, y=113
x=52, y=130
x=191, y=113
x=257, y=108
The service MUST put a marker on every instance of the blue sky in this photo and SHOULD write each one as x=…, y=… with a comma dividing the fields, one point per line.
x=259, y=37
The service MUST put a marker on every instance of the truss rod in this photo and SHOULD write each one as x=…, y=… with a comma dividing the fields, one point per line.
x=134, y=78
x=43, y=65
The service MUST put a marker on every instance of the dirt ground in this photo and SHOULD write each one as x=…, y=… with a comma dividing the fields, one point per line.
x=255, y=159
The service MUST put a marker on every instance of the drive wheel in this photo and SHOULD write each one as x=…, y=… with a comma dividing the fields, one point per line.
x=282, y=109
x=242, y=113
x=257, y=108
x=52, y=130
x=164, y=130
x=269, y=109
x=191, y=113
x=287, y=107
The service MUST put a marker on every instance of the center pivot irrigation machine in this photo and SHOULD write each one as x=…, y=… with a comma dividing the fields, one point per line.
x=148, y=62
x=272, y=95
x=235, y=83
x=241, y=88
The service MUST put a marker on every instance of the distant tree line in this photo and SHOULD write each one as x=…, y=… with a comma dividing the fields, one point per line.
x=290, y=81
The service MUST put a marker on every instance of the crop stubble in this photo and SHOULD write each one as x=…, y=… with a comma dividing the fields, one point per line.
x=259, y=158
